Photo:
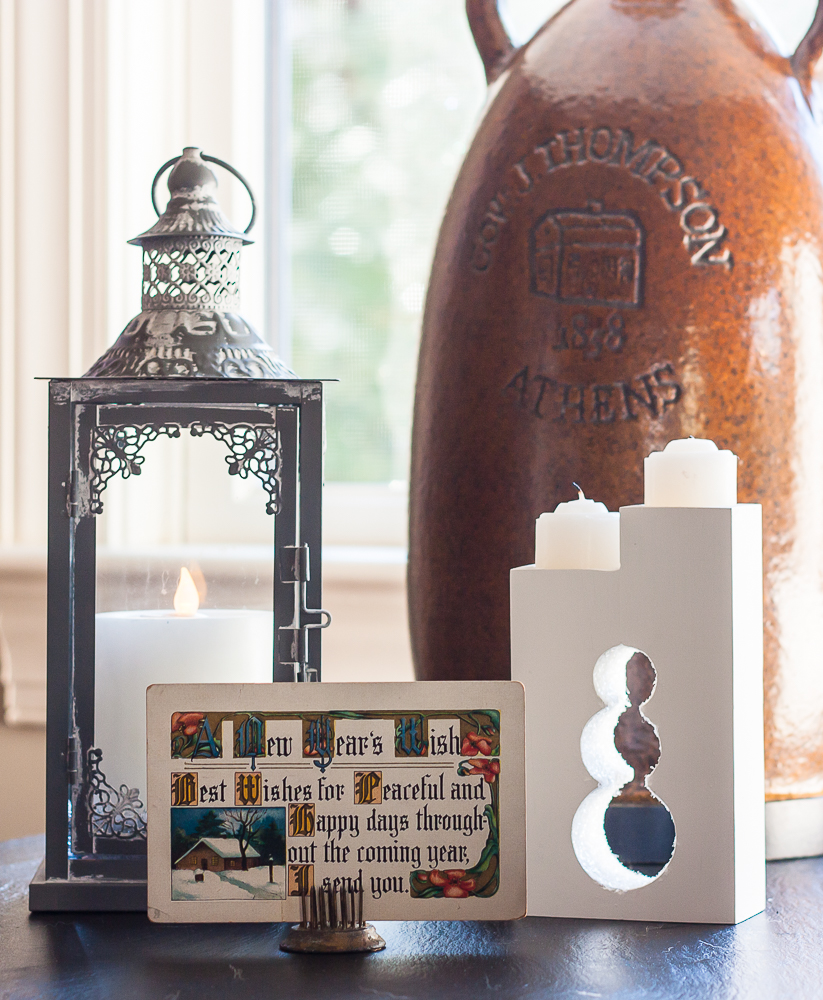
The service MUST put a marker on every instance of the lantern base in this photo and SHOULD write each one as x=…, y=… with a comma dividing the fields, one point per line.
x=57, y=895
x=794, y=828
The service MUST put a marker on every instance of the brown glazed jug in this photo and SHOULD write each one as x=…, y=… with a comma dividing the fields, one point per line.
x=633, y=252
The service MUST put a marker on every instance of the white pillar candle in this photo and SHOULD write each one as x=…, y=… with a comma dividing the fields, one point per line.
x=580, y=534
x=690, y=472
x=134, y=649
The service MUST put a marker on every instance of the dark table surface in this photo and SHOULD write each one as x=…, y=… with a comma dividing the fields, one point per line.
x=114, y=956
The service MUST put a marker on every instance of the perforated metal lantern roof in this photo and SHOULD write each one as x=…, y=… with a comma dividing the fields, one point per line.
x=190, y=324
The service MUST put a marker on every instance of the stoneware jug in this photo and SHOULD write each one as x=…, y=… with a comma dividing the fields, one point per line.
x=632, y=253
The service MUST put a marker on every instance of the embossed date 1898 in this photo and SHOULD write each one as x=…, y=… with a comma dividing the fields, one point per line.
x=651, y=393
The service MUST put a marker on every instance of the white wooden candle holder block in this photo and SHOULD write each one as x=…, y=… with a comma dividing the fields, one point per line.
x=688, y=594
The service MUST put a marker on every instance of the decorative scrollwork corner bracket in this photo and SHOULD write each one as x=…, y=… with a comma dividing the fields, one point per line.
x=116, y=450
x=114, y=813
x=255, y=450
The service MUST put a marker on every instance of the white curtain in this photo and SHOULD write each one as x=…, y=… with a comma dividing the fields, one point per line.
x=94, y=97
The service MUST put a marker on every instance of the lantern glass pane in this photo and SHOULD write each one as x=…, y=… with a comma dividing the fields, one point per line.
x=183, y=528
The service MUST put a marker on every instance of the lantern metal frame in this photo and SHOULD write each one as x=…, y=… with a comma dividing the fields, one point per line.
x=95, y=834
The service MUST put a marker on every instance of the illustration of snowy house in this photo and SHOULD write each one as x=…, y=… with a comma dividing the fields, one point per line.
x=218, y=854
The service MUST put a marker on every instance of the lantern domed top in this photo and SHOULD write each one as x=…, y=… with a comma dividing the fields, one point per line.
x=190, y=325
x=193, y=207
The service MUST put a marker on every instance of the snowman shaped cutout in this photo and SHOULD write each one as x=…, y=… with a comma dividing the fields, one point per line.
x=624, y=694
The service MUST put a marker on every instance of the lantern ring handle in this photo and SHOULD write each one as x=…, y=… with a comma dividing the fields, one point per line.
x=220, y=163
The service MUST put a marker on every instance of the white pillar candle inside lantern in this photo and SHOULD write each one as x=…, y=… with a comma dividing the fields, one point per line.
x=134, y=649
x=581, y=534
x=690, y=472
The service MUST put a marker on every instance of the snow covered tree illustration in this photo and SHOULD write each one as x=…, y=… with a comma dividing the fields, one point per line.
x=242, y=824
x=209, y=825
x=271, y=843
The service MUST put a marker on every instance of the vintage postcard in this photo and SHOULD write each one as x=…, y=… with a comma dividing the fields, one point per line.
x=414, y=792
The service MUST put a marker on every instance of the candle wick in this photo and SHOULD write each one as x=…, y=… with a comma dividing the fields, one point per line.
x=580, y=494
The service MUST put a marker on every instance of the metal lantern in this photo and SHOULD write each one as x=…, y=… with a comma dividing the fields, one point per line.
x=188, y=364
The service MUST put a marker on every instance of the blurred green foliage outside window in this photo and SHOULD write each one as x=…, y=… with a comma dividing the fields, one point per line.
x=386, y=98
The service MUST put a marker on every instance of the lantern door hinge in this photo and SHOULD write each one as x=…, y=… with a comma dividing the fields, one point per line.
x=72, y=759
x=292, y=646
x=295, y=567
x=71, y=497
x=293, y=639
x=294, y=563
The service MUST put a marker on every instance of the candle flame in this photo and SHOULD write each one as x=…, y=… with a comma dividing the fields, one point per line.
x=580, y=494
x=199, y=580
x=186, y=599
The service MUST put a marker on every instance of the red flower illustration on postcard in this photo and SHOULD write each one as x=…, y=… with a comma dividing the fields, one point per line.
x=455, y=883
x=488, y=768
x=186, y=722
x=474, y=743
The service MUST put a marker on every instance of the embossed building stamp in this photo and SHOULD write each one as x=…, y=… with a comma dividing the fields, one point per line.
x=588, y=257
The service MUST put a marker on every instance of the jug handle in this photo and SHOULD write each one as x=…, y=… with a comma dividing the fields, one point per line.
x=491, y=38
x=808, y=52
